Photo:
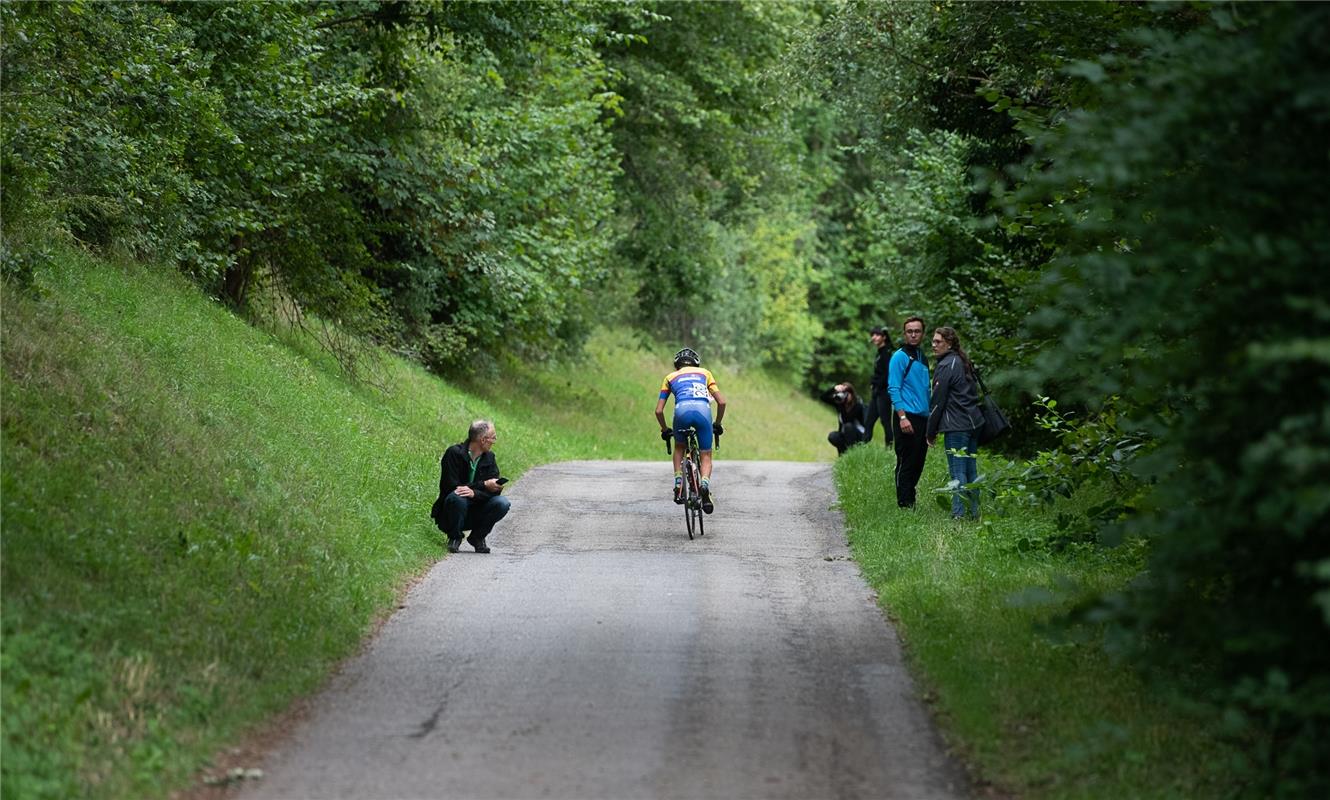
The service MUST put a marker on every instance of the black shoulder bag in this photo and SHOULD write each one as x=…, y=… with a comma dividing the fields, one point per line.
x=995, y=422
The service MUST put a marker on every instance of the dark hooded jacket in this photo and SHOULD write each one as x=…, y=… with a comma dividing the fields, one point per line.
x=954, y=404
x=878, y=384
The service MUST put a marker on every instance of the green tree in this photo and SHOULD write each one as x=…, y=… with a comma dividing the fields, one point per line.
x=936, y=108
x=486, y=182
x=265, y=187
x=433, y=177
x=102, y=103
x=1193, y=204
x=714, y=161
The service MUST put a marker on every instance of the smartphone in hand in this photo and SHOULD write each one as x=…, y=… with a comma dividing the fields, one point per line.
x=501, y=481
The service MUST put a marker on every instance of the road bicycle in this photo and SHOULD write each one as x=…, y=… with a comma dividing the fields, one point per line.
x=692, y=482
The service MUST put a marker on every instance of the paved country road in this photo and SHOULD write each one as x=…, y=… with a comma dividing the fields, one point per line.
x=598, y=653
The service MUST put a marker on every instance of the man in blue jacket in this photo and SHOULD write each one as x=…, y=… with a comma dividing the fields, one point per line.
x=907, y=383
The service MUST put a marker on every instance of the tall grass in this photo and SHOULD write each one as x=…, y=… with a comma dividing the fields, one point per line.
x=200, y=517
x=1035, y=708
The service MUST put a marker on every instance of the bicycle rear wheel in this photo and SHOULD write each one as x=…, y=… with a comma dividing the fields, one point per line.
x=689, y=499
x=697, y=496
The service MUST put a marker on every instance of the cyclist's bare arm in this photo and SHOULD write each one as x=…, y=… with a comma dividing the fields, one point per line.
x=660, y=414
x=720, y=405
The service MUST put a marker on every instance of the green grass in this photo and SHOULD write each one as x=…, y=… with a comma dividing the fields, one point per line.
x=602, y=405
x=201, y=517
x=1034, y=712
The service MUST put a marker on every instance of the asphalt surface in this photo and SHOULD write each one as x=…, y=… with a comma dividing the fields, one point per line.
x=598, y=653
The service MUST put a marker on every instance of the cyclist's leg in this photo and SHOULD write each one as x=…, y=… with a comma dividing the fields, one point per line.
x=678, y=471
x=704, y=442
x=708, y=501
x=701, y=422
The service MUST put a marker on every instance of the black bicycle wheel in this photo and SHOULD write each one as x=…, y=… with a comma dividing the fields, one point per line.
x=697, y=497
x=688, y=499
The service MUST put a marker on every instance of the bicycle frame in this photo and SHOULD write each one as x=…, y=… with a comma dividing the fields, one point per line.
x=692, y=483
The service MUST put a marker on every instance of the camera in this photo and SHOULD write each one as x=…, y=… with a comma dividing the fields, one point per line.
x=840, y=396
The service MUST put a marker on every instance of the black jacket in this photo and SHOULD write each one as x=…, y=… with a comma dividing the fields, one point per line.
x=878, y=384
x=954, y=405
x=455, y=469
x=857, y=413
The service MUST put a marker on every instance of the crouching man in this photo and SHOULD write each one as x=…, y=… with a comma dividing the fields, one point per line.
x=469, y=489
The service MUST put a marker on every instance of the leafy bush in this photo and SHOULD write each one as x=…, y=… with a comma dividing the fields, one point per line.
x=1194, y=207
x=1093, y=456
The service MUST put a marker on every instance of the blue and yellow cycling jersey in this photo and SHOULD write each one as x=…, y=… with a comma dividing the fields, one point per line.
x=691, y=386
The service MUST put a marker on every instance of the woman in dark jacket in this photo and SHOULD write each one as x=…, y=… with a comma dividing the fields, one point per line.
x=954, y=410
x=851, y=412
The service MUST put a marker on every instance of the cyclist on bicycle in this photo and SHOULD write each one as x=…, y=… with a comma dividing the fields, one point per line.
x=693, y=388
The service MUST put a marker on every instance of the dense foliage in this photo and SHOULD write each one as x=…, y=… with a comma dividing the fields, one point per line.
x=1119, y=206
x=437, y=177
x=1122, y=206
x=450, y=179
x=718, y=183
x=1202, y=316
x=938, y=104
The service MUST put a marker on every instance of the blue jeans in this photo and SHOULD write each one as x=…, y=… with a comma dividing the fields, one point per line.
x=476, y=514
x=964, y=469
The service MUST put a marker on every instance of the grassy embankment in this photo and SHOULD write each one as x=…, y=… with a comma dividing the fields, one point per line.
x=1035, y=711
x=201, y=517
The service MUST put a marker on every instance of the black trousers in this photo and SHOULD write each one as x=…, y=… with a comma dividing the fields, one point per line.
x=879, y=408
x=911, y=450
x=848, y=435
x=476, y=514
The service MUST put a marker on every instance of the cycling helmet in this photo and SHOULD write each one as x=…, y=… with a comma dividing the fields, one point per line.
x=686, y=356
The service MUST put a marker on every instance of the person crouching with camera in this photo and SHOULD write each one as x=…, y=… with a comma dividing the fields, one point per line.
x=851, y=413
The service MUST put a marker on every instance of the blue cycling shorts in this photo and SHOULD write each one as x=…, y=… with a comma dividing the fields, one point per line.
x=697, y=417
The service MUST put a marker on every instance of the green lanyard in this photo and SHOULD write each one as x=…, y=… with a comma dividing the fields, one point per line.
x=474, y=464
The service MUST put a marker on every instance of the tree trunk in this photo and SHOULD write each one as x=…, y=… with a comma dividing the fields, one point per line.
x=235, y=283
